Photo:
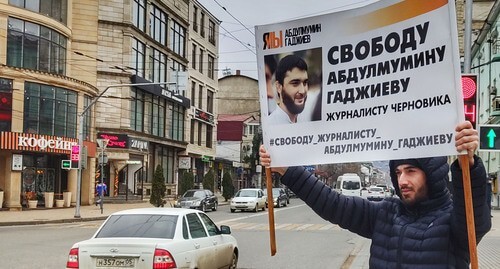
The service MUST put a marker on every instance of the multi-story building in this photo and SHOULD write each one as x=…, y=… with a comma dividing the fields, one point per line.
x=203, y=47
x=239, y=121
x=142, y=42
x=124, y=64
x=44, y=83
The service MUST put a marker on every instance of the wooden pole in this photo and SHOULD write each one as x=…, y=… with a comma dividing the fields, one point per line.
x=270, y=205
x=469, y=210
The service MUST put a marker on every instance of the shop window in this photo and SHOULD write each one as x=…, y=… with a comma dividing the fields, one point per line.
x=5, y=104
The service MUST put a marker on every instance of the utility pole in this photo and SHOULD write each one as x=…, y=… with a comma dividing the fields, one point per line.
x=80, y=134
x=467, y=36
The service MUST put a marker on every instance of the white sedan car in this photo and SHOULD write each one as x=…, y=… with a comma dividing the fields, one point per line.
x=248, y=199
x=157, y=238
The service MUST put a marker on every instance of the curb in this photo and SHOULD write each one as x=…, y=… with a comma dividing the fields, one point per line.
x=38, y=222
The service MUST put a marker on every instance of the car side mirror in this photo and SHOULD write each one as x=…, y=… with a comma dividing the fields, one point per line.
x=224, y=229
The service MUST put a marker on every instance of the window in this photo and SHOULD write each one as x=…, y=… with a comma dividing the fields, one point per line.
x=176, y=66
x=211, y=227
x=200, y=96
x=176, y=123
x=200, y=65
x=49, y=110
x=193, y=91
x=5, y=104
x=55, y=9
x=158, y=66
x=37, y=47
x=200, y=132
x=211, y=66
x=137, y=110
x=155, y=115
x=87, y=117
x=202, y=25
x=211, y=32
x=157, y=126
x=195, y=226
x=195, y=19
x=251, y=129
x=210, y=101
x=209, y=136
x=138, y=57
x=139, y=14
x=140, y=225
x=178, y=39
x=158, y=25
x=164, y=157
x=193, y=56
x=192, y=132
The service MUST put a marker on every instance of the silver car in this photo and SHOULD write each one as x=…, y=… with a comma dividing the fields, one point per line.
x=157, y=238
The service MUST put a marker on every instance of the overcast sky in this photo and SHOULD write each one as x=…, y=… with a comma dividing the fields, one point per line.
x=237, y=39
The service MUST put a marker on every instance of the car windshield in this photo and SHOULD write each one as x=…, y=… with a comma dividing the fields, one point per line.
x=144, y=226
x=276, y=192
x=376, y=189
x=350, y=185
x=198, y=194
x=246, y=193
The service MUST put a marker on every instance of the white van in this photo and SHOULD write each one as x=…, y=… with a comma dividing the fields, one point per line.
x=350, y=184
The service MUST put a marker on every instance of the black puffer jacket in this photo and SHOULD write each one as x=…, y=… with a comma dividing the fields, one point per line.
x=430, y=235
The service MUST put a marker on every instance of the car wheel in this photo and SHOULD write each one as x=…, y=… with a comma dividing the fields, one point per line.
x=234, y=261
x=284, y=204
x=256, y=208
x=204, y=207
x=215, y=207
x=232, y=210
x=278, y=204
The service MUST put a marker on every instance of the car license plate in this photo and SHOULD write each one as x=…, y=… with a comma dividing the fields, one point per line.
x=115, y=262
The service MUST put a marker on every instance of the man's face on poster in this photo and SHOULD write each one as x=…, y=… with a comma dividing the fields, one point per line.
x=294, y=90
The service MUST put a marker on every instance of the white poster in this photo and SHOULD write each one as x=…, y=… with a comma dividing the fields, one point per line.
x=378, y=82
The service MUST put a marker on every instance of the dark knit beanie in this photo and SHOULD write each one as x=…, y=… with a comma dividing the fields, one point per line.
x=413, y=162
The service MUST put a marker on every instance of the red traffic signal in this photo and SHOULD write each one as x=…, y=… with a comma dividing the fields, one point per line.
x=469, y=91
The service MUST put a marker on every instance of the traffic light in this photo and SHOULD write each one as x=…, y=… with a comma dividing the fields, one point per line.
x=75, y=156
x=489, y=137
x=469, y=90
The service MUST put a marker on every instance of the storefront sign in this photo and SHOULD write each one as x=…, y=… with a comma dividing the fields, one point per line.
x=203, y=116
x=35, y=142
x=139, y=144
x=206, y=158
x=160, y=90
x=17, y=162
x=119, y=141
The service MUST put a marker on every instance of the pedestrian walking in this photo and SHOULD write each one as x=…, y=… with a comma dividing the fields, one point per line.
x=424, y=227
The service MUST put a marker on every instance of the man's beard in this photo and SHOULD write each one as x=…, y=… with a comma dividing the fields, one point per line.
x=290, y=104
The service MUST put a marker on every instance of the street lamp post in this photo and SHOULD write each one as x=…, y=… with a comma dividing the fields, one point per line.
x=80, y=134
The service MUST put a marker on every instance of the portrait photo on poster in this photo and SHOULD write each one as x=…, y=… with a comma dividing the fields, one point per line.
x=293, y=84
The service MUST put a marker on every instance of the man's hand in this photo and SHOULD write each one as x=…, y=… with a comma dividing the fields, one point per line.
x=265, y=160
x=467, y=139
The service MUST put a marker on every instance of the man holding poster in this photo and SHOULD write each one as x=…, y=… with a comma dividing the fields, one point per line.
x=390, y=90
x=424, y=227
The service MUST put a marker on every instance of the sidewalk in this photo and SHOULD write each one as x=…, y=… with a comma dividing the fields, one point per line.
x=488, y=250
x=64, y=215
x=67, y=214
